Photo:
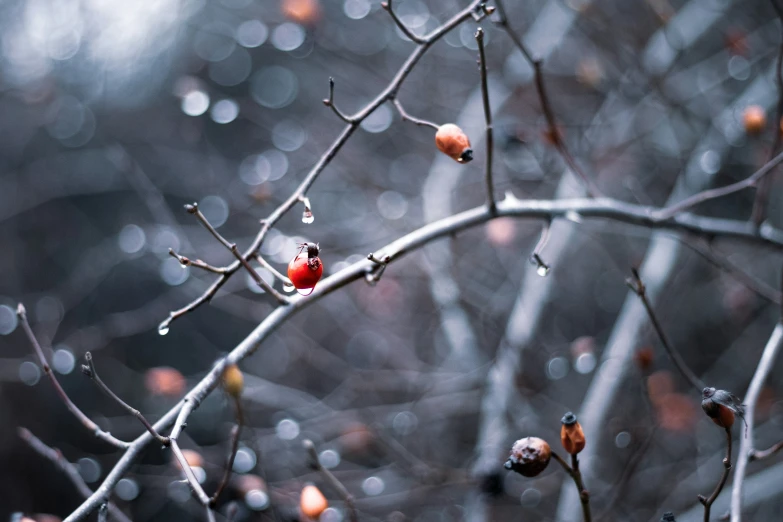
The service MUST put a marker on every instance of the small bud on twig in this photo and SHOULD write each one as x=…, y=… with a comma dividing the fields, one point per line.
x=571, y=435
x=233, y=380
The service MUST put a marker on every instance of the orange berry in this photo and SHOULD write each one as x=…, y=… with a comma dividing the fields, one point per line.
x=754, y=119
x=571, y=435
x=164, y=381
x=312, y=502
x=306, y=12
x=454, y=143
x=233, y=380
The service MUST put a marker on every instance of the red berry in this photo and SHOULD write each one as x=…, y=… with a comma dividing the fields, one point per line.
x=306, y=268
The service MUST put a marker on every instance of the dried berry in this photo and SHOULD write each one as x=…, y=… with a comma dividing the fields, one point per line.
x=233, y=380
x=571, y=435
x=529, y=456
x=454, y=143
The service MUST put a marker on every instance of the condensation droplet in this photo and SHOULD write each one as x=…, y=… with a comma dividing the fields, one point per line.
x=305, y=291
x=542, y=270
x=163, y=328
x=307, y=216
x=288, y=287
x=573, y=216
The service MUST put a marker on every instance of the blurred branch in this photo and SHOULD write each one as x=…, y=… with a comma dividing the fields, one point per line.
x=388, y=6
x=746, y=450
x=487, y=119
x=90, y=371
x=263, y=262
x=66, y=467
x=763, y=454
x=635, y=283
x=707, y=502
x=535, y=257
x=21, y=312
x=553, y=131
x=333, y=481
x=706, y=195
x=408, y=117
x=749, y=281
x=761, y=202
x=329, y=102
x=235, y=433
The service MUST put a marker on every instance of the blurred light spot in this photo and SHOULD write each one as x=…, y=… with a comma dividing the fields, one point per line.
x=257, y=500
x=557, y=368
x=373, y=486
x=405, y=422
x=288, y=36
x=8, y=320
x=530, y=497
x=200, y=474
x=245, y=460
x=49, y=309
x=127, y=489
x=413, y=13
x=195, y=103
x=215, y=209
x=739, y=68
x=131, y=239
x=329, y=459
x=379, y=120
x=516, y=68
x=63, y=361
x=356, y=9
x=331, y=515
x=233, y=70
x=710, y=162
x=274, y=87
x=89, y=469
x=224, y=111
x=29, y=373
x=278, y=163
x=173, y=273
x=68, y=119
x=163, y=239
x=288, y=135
x=252, y=33
x=287, y=429
x=273, y=243
x=367, y=349
x=215, y=41
x=179, y=491
x=467, y=35
x=501, y=231
x=585, y=363
x=265, y=274
x=622, y=440
x=392, y=205
x=164, y=381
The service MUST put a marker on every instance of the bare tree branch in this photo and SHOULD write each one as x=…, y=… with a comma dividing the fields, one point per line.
x=338, y=486
x=488, y=119
x=707, y=502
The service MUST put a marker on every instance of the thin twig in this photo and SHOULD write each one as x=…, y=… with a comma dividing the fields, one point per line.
x=235, y=433
x=266, y=264
x=388, y=6
x=56, y=457
x=21, y=312
x=90, y=371
x=576, y=476
x=763, y=454
x=408, y=117
x=103, y=513
x=761, y=202
x=546, y=106
x=334, y=482
x=707, y=502
x=746, y=451
x=198, y=263
x=635, y=283
x=706, y=195
x=232, y=247
x=488, y=120
x=329, y=102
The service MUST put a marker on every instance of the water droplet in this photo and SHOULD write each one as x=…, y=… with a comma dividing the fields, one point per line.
x=288, y=287
x=305, y=291
x=573, y=216
x=542, y=270
x=307, y=217
x=163, y=328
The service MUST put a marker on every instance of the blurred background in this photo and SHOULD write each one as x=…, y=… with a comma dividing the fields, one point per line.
x=113, y=115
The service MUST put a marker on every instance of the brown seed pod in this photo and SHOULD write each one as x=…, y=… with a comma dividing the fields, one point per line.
x=454, y=143
x=312, y=502
x=754, y=119
x=233, y=380
x=529, y=456
x=571, y=435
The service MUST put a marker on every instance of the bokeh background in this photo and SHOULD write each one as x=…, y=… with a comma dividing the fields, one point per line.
x=113, y=115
